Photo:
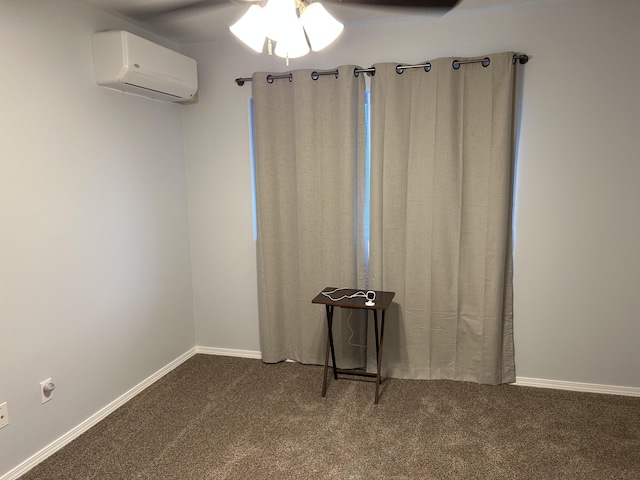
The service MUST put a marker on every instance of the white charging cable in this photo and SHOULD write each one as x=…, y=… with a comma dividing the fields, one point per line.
x=370, y=295
x=359, y=293
x=352, y=333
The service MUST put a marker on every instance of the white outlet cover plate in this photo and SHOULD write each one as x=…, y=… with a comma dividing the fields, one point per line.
x=4, y=415
x=43, y=397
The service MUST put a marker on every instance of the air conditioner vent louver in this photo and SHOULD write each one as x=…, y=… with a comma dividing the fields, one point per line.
x=156, y=91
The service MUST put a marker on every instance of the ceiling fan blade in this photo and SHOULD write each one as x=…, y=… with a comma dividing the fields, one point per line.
x=152, y=11
x=434, y=4
x=147, y=12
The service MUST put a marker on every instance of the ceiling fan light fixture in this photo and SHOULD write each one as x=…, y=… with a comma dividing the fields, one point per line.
x=292, y=43
x=294, y=36
x=250, y=28
x=277, y=18
x=321, y=27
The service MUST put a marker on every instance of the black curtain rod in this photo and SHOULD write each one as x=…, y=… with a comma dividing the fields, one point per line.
x=372, y=71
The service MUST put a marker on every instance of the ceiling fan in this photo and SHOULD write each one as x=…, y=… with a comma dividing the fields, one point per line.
x=149, y=11
x=296, y=26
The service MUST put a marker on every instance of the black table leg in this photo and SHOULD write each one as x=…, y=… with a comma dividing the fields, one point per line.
x=329, y=348
x=333, y=351
x=379, y=356
x=375, y=324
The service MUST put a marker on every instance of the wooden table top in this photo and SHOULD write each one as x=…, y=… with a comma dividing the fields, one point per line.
x=382, y=301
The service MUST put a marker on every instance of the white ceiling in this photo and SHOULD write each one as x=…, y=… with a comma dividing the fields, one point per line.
x=212, y=22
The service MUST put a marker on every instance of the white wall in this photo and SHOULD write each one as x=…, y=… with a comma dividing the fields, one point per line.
x=95, y=280
x=577, y=270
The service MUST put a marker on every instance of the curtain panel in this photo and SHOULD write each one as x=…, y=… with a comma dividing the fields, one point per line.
x=309, y=143
x=442, y=161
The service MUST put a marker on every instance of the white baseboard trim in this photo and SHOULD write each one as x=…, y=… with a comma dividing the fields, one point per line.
x=578, y=387
x=229, y=352
x=75, y=432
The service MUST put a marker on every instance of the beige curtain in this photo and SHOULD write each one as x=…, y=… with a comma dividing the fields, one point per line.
x=441, y=192
x=309, y=147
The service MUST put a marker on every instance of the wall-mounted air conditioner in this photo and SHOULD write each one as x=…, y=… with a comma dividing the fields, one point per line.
x=129, y=63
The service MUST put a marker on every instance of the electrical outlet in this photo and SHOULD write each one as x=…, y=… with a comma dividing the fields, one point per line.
x=4, y=415
x=46, y=390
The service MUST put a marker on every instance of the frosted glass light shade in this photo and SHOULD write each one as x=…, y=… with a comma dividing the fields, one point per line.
x=293, y=43
x=322, y=29
x=250, y=29
x=277, y=15
x=279, y=22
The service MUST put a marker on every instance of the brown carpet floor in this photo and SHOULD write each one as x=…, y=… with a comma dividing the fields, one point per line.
x=233, y=418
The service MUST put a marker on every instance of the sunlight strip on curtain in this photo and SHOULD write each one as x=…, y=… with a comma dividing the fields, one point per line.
x=442, y=165
x=310, y=161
